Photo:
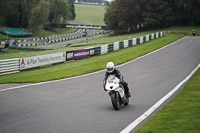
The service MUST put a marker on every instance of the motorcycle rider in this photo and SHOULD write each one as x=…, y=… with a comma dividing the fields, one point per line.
x=193, y=32
x=111, y=70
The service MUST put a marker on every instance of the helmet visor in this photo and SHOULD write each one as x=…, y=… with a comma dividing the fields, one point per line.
x=110, y=69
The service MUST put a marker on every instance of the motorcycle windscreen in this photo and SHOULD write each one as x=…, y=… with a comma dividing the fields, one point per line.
x=111, y=78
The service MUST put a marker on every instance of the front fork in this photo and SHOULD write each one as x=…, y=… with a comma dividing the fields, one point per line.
x=118, y=98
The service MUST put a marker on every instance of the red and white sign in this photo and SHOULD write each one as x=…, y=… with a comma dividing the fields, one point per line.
x=36, y=61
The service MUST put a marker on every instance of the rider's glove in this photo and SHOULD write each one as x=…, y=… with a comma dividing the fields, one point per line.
x=121, y=81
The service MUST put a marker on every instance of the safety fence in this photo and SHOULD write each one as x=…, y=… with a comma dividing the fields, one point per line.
x=47, y=40
x=3, y=42
x=9, y=66
x=85, y=53
x=19, y=64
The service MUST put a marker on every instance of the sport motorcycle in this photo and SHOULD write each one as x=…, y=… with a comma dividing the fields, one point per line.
x=116, y=92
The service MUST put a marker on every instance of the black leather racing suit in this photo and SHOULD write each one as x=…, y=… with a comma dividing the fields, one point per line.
x=119, y=76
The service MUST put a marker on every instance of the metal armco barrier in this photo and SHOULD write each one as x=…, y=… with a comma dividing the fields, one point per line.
x=47, y=40
x=9, y=66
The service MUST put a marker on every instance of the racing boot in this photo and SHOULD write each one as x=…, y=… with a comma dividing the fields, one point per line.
x=127, y=89
x=129, y=94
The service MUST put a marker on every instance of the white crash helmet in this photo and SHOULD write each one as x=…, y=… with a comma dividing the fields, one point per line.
x=110, y=67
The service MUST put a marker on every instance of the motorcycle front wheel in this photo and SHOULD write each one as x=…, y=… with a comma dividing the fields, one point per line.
x=115, y=100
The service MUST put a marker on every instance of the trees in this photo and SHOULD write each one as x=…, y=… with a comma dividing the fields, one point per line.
x=39, y=15
x=8, y=12
x=35, y=13
x=71, y=4
x=124, y=16
x=60, y=11
x=161, y=16
x=110, y=17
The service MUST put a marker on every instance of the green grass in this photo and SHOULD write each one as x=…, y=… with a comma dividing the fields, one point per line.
x=3, y=37
x=181, y=115
x=90, y=14
x=70, y=69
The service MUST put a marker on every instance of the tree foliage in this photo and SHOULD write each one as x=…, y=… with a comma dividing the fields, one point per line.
x=39, y=15
x=71, y=3
x=35, y=13
x=124, y=16
x=60, y=11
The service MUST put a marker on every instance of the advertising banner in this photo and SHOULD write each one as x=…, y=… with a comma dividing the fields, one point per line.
x=147, y=38
x=138, y=40
x=110, y=47
x=152, y=36
x=97, y=51
x=126, y=43
x=157, y=35
x=36, y=61
x=121, y=45
x=141, y=40
x=79, y=26
x=116, y=46
x=134, y=41
x=104, y=49
x=79, y=54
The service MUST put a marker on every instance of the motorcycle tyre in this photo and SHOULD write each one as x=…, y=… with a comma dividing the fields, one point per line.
x=115, y=100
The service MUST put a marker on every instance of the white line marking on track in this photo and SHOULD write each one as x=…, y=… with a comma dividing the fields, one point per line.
x=130, y=127
x=13, y=88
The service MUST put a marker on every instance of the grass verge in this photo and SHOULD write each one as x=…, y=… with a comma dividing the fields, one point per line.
x=181, y=115
x=70, y=69
x=90, y=14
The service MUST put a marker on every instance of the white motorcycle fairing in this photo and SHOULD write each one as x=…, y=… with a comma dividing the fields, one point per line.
x=112, y=84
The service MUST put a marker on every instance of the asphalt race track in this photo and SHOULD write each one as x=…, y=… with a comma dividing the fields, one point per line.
x=79, y=105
